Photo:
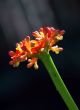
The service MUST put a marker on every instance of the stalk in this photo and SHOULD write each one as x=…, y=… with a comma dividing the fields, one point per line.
x=57, y=81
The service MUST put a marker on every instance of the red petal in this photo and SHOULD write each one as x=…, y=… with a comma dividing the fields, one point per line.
x=61, y=32
x=11, y=62
x=11, y=53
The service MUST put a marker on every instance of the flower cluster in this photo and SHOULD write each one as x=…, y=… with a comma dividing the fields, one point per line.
x=27, y=49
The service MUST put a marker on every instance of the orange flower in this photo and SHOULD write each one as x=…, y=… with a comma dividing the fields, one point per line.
x=45, y=39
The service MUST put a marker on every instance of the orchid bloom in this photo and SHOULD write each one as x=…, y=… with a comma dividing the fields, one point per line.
x=45, y=39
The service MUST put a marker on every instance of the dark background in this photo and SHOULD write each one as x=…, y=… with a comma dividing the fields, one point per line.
x=27, y=89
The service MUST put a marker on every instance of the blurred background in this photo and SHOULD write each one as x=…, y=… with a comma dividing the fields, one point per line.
x=27, y=89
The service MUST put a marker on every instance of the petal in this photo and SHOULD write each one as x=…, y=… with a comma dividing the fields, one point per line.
x=59, y=37
x=32, y=62
x=36, y=34
x=11, y=53
x=56, y=49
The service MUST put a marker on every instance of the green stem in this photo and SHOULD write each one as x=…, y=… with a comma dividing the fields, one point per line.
x=58, y=82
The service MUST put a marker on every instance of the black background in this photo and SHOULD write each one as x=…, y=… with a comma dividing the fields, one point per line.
x=27, y=89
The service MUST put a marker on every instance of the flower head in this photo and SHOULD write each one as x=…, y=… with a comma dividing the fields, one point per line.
x=27, y=49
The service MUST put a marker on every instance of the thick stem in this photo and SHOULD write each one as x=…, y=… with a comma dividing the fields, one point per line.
x=58, y=82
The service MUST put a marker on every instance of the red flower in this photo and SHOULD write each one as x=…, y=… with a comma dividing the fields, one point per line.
x=45, y=38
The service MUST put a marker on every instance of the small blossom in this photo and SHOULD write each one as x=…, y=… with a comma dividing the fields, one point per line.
x=32, y=62
x=56, y=49
x=45, y=39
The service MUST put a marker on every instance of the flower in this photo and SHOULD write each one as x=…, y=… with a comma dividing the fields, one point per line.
x=27, y=49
